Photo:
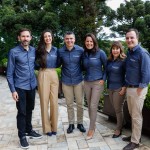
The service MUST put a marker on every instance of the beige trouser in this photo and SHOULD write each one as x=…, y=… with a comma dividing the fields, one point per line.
x=93, y=90
x=71, y=93
x=48, y=92
x=135, y=106
x=117, y=102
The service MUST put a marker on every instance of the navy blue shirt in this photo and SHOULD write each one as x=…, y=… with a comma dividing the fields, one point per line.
x=20, y=68
x=71, y=65
x=115, y=74
x=137, y=67
x=95, y=65
x=51, y=59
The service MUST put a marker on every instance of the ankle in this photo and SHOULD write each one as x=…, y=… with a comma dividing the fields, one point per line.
x=90, y=132
x=117, y=132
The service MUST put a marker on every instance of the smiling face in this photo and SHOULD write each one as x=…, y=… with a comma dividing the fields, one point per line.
x=47, y=38
x=115, y=52
x=25, y=38
x=89, y=42
x=69, y=40
x=131, y=39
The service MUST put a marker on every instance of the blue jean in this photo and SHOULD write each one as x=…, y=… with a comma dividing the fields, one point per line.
x=25, y=105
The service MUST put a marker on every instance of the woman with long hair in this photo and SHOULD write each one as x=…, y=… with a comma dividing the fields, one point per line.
x=46, y=56
x=94, y=63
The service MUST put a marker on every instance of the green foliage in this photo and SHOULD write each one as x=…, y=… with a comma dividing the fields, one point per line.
x=4, y=62
x=134, y=14
x=60, y=16
x=147, y=100
x=104, y=45
x=36, y=73
x=58, y=72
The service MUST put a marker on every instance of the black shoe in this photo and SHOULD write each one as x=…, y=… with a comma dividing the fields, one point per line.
x=60, y=95
x=81, y=128
x=49, y=133
x=34, y=135
x=127, y=139
x=116, y=136
x=131, y=146
x=24, y=143
x=54, y=133
x=70, y=128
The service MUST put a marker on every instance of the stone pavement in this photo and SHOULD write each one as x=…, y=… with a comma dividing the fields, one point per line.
x=62, y=141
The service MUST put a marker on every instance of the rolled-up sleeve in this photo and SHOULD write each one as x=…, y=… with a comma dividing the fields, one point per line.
x=145, y=70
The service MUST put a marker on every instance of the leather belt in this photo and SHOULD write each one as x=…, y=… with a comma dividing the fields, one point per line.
x=132, y=86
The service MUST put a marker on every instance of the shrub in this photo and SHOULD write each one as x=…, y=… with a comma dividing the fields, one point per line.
x=4, y=62
x=59, y=72
x=147, y=100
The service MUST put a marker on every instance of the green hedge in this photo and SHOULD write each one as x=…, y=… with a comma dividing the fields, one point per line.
x=3, y=62
x=147, y=100
x=58, y=72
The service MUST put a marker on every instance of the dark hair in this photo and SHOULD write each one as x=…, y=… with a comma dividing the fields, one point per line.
x=41, y=52
x=69, y=33
x=95, y=48
x=22, y=30
x=135, y=30
x=118, y=45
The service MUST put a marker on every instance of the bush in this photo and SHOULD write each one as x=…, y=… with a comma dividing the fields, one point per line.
x=4, y=62
x=59, y=72
x=147, y=100
x=36, y=72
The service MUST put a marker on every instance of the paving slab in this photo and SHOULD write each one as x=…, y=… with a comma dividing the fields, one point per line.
x=102, y=139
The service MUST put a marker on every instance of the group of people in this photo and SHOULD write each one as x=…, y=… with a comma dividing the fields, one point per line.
x=84, y=70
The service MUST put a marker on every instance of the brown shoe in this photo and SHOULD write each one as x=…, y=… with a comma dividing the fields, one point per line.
x=131, y=146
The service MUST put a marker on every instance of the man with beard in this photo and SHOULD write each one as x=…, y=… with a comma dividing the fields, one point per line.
x=22, y=83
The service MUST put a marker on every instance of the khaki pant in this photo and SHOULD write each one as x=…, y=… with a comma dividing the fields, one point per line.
x=93, y=90
x=48, y=92
x=117, y=102
x=71, y=93
x=135, y=106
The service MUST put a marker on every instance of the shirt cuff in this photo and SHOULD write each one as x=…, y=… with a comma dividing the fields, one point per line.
x=143, y=85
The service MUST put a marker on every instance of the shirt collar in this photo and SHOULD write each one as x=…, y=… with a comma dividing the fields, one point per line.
x=22, y=48
x=66, y=49
x=52, y=49
x=135, y=48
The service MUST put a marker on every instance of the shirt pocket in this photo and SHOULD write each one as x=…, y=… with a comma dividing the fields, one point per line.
x=21, y=59
x=134, y=63
x=32, y=59
x=54, y=57
x=94, y=62
x=76, y=58
x=115, y=69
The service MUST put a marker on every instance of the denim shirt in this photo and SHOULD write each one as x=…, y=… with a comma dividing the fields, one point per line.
x=71, y=65
x=115, y=74
x=51, y=59
x=95, y=66
x=137, y=67
x=20, y=68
